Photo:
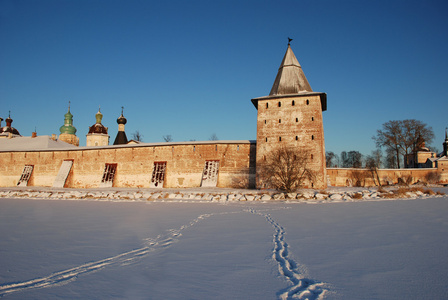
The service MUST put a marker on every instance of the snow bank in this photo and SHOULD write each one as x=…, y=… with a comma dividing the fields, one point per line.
x=217, y=195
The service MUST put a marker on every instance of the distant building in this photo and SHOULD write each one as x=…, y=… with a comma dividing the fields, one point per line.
x=423, y=157
x=68, y=131
x=97, y=135
x=8, y=131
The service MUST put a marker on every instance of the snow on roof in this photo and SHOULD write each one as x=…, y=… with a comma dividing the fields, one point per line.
x=43, y=142
x=46, y=143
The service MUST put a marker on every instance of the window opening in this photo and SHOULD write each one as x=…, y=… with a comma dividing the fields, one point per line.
x=26, y=175
x=210, y=173
x=307, y=102
x=108, y=175
x=312, y=118
x=64, y=170
x=297, y=138
x=312, y=137
x=293, y=102
x=267, y=105
x=279, y=138
x=279, y=120
x=279, y=104
x=158, y=174
x=297, y=119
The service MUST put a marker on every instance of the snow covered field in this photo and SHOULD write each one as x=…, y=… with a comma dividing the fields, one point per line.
x=90, y=249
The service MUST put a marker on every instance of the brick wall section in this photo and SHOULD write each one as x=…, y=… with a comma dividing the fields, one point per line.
x=299, y=125
x=185, y=164
x=345, y=177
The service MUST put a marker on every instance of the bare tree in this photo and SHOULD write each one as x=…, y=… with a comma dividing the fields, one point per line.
x=373, y=163
x=213, y=137
x=168, y=138
x=351, y=159
x=137, y=136
x=331, y=159
x=285, y=169
x=403, y=136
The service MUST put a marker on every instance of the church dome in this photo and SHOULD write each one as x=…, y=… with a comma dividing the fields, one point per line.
x=68, y=127
x=98, y=127
x=121, y=120
x=8, y=128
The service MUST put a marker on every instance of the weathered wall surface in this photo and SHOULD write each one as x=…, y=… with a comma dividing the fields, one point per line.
x=293, y=121
x=349, y=176
x=184, y=164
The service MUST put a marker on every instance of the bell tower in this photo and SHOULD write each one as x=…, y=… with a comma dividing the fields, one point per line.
x=291, y=116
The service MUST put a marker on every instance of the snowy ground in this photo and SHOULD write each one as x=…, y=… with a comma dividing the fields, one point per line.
x=200, y=249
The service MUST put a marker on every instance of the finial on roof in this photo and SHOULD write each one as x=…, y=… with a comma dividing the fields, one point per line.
x=289, y=41
x=122, y=110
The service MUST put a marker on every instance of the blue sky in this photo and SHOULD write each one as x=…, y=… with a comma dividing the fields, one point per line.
x=190, y=68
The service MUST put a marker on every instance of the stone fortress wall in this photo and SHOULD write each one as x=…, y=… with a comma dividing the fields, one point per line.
x=185, y=163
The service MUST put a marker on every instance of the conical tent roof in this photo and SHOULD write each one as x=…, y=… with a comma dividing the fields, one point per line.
x=290, y=77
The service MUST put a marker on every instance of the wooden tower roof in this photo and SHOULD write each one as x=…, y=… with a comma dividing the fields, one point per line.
x=290, y=77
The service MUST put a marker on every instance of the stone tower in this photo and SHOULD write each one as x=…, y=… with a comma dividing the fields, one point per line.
x=97, y=135
x=121, y=138
x=291, y=116
x=68, y=131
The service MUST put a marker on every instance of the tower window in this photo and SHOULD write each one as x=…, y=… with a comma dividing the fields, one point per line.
x=307, y=102
x=279, y=120
x=297, y=119
x=266, y=139
x=312, y=118
x=312, y=156
x=279, y=104
x=297, y=138
x=264, y=121
x=312, y=137
x=279, y=138
x=293, y=103
x=267, y=105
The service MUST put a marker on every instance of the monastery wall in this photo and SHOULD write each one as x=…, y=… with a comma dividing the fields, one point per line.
x=135, y=164
x=349, y=176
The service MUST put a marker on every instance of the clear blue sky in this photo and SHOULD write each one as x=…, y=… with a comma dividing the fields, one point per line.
x=190, y=68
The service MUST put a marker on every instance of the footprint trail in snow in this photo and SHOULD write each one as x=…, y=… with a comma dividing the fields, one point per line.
x=126, y=258
x=301, y=286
